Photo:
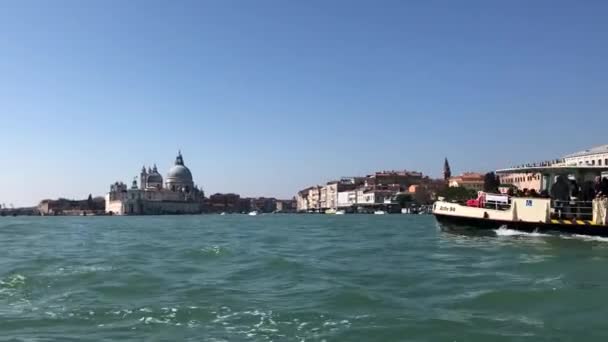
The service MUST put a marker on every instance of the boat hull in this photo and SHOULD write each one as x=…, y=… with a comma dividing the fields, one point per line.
x=558, y=226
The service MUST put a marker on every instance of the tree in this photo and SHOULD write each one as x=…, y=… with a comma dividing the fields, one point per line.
x=490, y=182
x=457, y=194
x=404, y=200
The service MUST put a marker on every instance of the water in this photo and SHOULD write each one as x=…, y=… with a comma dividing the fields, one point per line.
x=294, y=278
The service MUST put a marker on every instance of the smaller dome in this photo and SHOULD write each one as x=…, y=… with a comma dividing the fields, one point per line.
x=155, y=178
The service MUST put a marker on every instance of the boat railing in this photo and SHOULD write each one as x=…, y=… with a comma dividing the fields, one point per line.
x=582, y=210
x=497, y=205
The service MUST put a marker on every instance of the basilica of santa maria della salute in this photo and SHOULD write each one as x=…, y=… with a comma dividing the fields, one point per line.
x=176, y=194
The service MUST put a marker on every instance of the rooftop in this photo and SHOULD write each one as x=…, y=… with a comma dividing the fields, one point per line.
x=593, y=150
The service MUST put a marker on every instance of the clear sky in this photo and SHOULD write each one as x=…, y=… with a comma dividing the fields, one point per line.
x=267, y=97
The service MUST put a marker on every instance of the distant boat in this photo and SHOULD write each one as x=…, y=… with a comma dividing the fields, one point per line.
x=330, y=211
x=253, y=213
x=223, y=213
x=379, y=212
x=340, y=212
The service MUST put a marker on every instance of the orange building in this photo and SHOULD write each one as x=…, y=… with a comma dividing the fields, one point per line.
x=469, y=180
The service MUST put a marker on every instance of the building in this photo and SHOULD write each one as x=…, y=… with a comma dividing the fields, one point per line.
x=370, y=197
x=286, y=206
x=347, y=198
x=595, y=156
x=522, y=180
x=62, y=206
x=263, y=204
x=218, y=203
x=390, y=178
x=468, y=180
x=302, y=200
x=177, y=195
x=329, y=193
x=314, y=197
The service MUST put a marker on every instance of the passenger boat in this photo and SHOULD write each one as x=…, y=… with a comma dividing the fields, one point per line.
x=493, y=211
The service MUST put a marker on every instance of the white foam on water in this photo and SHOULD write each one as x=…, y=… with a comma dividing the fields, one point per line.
x=590, y=238
x=503, y=231
x=153, y=320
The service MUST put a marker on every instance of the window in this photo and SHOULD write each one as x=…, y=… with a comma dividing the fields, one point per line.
x=599, y=162
x=593, y=162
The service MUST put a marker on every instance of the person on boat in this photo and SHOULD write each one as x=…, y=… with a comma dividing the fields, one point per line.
x=560, y=194
x=533, y=193
x=574, y=198
x=604, y=187
x=587, y=196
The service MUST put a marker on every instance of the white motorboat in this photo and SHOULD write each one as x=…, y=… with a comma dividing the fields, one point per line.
x=253, y=213
x=340, y=212
x=379, y=212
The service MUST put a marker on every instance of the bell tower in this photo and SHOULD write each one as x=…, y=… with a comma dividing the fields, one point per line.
x=447, y=173
x=143, y=178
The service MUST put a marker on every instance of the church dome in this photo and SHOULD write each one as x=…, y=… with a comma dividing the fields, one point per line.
x=155, y=178
x=179, y=173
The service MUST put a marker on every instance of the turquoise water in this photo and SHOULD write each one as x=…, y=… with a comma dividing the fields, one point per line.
x=294, y=278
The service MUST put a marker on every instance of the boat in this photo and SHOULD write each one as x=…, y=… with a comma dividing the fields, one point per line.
x=531, y=213
x=330, y=211
x=340, y=212
x=379, y=212
x=253, y=213
x=223, y=213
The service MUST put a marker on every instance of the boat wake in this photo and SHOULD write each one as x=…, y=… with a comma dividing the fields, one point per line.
x=504, y=231
x=588, y=238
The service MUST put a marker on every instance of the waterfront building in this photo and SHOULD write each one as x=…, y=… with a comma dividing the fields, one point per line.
x=595, y=156
x=530, y=181
x=177, y=195
x=329, y=193
x=62, y=206
x=302, y=200
x=263, y=204
x=468, y=180
x=314, y=196
x=285, y=206
x=347, y=198
x=218, y=203
x=385, y=178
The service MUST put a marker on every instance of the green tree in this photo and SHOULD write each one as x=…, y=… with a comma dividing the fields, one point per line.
x=457, y=194
x=404, y=200
x=491, y=182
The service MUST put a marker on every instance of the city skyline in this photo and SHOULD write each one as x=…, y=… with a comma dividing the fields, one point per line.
x=265, y=99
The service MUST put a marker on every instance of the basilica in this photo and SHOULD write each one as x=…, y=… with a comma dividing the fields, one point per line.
x=177, y=194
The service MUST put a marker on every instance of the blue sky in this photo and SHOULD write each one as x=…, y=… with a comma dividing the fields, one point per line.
x=267, y=97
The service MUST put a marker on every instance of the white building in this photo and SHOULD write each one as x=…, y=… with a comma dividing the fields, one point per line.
x=178, y=195
x=596, y=156
x=347, y=198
